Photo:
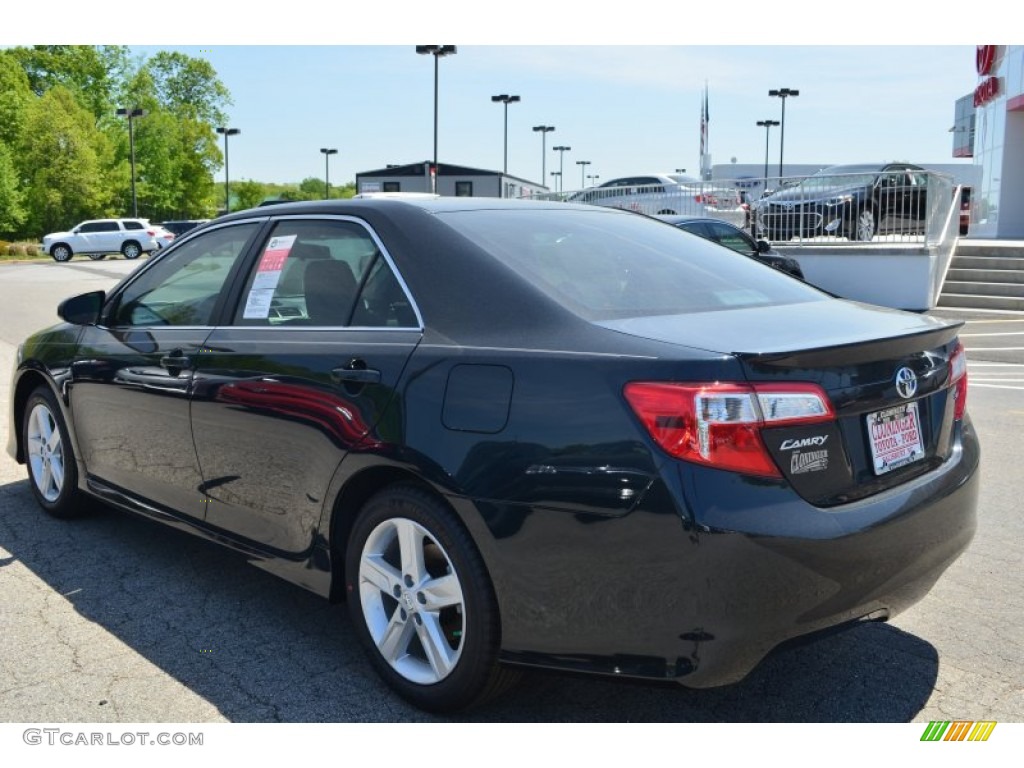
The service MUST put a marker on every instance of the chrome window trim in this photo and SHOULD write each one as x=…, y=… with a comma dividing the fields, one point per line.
x=384, y=252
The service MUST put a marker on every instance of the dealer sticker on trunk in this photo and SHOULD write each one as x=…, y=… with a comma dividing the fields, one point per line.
x=895, y=436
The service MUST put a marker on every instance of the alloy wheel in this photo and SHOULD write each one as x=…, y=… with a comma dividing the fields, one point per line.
x=866, y=225
x=45, y=453
x=412, y=601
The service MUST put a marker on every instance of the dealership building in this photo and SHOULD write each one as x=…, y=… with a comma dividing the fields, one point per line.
x=449, y=180
x=989, y=126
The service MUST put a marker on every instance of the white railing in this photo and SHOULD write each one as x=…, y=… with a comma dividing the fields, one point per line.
x=867, y=207
x=898, y=206
x=717, y=200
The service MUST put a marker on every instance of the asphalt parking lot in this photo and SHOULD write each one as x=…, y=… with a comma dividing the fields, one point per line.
x=116, y=619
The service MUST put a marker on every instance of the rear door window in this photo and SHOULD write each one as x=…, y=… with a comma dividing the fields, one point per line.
x=327, y=273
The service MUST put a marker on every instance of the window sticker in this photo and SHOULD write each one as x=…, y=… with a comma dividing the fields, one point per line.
x=268, y=273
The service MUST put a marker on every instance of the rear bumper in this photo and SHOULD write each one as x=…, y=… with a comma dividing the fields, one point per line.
x=705, y=602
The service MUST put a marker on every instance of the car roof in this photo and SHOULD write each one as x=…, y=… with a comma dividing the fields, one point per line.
x=683, y=218
x=869, y=168
x=428, y=204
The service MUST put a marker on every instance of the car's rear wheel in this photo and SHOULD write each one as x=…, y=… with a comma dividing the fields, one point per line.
x=52, y=471
x=422, y=603
x=131, y=250
x=61, y=252
x=97, y=256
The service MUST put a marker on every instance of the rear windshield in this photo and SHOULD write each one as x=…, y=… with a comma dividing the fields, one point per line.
x=604, y=264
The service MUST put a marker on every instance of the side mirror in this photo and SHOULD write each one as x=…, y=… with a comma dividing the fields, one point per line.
x=83, y=309
x=763, y=246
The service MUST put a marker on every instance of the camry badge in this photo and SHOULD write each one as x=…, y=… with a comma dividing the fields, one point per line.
x=906, y=383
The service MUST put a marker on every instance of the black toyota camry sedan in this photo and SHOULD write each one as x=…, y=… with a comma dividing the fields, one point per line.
x=514, y=434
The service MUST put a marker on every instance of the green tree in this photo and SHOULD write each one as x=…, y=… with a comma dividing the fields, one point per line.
x=159, y=163
x=311, y=188
x=188, y=87
x=176, y=149
x=11, y=211
x=198, y=157
x=247, y=194
x=15, y=96
x=61, y=156
x=95, y=74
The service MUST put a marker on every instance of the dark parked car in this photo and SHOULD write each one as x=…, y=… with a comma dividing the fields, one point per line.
x=852, y=201
x=182, y=226
x=514, y=433
x=734, y=238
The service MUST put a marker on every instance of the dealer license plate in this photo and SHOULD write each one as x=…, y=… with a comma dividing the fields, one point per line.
x=895, y=436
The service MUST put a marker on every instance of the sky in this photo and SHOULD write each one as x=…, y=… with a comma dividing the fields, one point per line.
x=321, y=75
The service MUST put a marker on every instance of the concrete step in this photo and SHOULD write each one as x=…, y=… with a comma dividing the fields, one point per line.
x=977, y=301
x=985, y=275
x=994, y=248
x=962, y=260
x=983, y=289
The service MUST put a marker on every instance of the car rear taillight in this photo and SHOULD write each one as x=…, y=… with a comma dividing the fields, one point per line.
x=151, y=232
x=958, y=380
x=719, y=424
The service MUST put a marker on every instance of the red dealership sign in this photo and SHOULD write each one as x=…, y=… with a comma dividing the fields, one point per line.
x=984, y=60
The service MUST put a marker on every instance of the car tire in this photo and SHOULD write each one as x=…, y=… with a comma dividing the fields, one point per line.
x=864, y=227
x=97, y=256
x=131, y=250
x=61, y=252
x=422, y=603
x=666, y=212
x=52, y=469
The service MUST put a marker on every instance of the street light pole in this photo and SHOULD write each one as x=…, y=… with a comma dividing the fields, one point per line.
x=131, y=114
x=593, y=178
x=782, y=93
x=583, y=167
x=561, y=167
x=327, y=170
x=227, y=177
x=543, y=130
x=767, y=125
x=437, y=51
x=558, y=179
x=506, y=100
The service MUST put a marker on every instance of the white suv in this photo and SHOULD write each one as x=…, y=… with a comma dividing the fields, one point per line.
x=97, y=238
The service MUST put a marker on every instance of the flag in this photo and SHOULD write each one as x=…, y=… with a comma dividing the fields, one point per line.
x=705, y=118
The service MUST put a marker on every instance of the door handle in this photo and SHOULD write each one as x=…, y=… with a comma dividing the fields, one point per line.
x=175, y=362
x=356, y=372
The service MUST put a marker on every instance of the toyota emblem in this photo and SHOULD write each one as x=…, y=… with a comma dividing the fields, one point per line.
x=906, y=383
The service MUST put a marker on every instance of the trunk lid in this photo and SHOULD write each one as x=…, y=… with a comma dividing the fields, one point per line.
x=887, y=374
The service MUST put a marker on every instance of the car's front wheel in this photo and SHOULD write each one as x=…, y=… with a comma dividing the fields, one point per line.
x=422, y=603
x=131, y=250
x=61, y=252
x=863, y=228
x=52, y=471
